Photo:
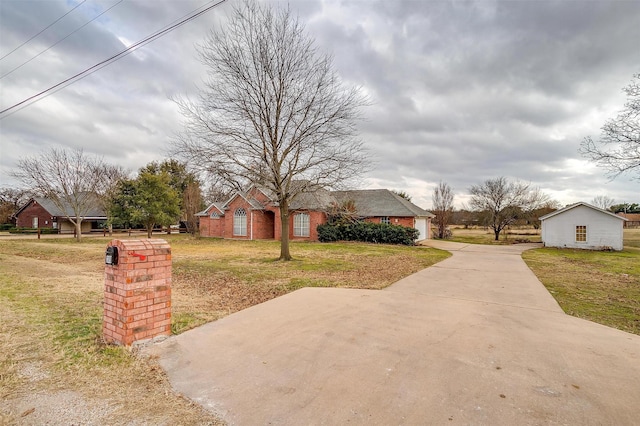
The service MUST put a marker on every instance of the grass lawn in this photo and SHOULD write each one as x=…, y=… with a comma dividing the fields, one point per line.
x=51, y=312
x=603, y=287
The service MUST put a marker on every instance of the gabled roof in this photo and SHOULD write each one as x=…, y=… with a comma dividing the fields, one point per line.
x=579, y=204
x=380, y=202
x=95, y=212
x=207, y=211
x=255, y=204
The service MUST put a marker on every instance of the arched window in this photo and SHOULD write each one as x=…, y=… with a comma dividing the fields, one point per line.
x=301, y=225
x=240, y=222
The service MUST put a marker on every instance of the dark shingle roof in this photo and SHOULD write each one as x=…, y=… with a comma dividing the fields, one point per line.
x=95, y=211
x=380, y=202
x=320, y=199
x=368, y=202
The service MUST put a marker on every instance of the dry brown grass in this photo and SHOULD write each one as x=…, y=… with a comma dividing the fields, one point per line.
x=50, y=318
x=51, y=308
x=480, y=235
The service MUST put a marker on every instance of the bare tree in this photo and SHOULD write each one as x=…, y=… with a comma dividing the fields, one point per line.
x=442, y=200
x=618, y=149
x=602, y=201
x=74, y=182
x=504, y=201
x=11, y=199
x=273, y=110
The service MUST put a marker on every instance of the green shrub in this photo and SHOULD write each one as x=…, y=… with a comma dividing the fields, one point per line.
x=6, y=226
x=368, y=232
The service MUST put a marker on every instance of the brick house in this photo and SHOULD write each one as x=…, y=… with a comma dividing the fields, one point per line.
x=254, y=214
x=40, y=212
x=633, y=219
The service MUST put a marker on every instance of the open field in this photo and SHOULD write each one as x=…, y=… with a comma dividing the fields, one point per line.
x=51, y=354
x=603, y=287
x=481, y=235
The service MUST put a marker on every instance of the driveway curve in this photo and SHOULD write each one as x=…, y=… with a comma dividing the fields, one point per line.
x=475, y=339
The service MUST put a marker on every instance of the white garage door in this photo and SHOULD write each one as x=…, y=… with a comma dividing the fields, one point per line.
x=421, y=226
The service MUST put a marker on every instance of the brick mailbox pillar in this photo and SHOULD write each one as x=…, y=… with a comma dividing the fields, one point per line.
x=137, y=291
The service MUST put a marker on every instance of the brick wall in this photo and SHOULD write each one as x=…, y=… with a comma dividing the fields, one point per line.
x=263, y=221
x=315, y=218
x=137, y=292
x=25, y=218
x=212, y=227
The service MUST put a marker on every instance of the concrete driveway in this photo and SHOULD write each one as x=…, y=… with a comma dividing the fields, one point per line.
x=475, y=339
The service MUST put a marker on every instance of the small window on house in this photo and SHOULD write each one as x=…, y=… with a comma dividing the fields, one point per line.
x=215, y=215
x=301, y=225
x=581, y=233
x=385, y=219
x=240, y=222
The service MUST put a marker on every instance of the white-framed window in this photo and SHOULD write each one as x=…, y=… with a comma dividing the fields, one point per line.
x=581, y=233
x=34, y=222
x=215, y=215
x=301, y=225
x=385, y=219
x=240, y=222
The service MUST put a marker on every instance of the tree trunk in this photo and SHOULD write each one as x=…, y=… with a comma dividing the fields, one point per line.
x=78, y=230
x=149, y=230
x=284, y=235
x=497, y=232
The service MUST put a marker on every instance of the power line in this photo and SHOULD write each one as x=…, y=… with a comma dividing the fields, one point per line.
x=61, y=40
x=109, y=61
x=43, y=30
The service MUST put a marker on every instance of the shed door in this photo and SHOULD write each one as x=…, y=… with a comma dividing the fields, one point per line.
x=421, y=226
x=34, y=222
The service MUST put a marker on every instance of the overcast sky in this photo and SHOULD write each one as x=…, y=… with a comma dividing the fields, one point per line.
x=461, y=91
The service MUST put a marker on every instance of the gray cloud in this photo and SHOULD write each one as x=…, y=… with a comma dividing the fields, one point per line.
x=460, y=91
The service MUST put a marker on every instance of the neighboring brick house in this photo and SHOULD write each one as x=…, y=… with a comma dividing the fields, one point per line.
x=633, y=219
x=254, y=214
x=41, y=212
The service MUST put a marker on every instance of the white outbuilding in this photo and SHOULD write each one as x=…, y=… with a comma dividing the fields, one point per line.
x=582, y=226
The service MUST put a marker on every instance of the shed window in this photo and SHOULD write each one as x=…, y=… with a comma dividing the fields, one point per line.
x=581, y=233
x=240, y=222
x=215, y=215
x=301, y=225
x=385, y=219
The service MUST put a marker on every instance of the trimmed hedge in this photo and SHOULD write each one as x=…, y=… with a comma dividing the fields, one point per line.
x=368, y=232
x=32, y=231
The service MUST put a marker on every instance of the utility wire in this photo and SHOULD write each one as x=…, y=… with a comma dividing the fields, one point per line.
x=50, y=25
x=61, y=40
x=109, y=61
